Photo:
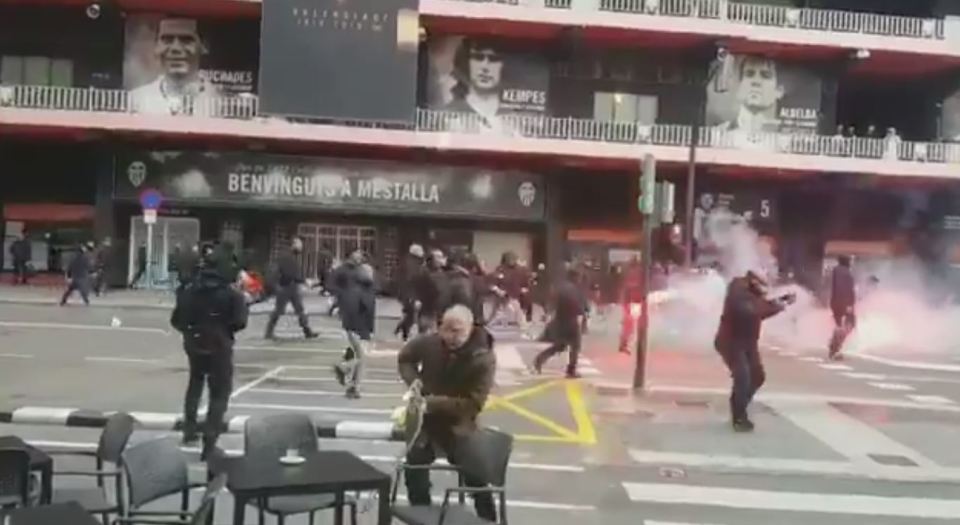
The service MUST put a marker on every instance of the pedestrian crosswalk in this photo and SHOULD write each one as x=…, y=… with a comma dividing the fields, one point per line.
x=793, y=501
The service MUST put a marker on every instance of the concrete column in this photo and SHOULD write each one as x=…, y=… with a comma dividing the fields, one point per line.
x=556, y=231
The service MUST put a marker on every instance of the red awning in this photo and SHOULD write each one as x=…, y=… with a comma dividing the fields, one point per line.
x=48, y=212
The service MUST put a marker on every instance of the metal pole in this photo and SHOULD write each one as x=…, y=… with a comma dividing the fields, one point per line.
x=149, y=265
x=692, y=179
x=640, y=370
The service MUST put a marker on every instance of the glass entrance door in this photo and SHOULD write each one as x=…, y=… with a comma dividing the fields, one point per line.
x=323, y=243
x=169, y=234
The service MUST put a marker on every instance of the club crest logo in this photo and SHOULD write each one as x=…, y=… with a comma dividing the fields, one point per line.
x=527, y=194
x=137, y=173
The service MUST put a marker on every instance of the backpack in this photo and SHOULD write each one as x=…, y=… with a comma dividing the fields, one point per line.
x=203, y=315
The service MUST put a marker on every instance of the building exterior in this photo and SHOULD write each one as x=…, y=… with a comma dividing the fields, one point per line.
x=831, y=127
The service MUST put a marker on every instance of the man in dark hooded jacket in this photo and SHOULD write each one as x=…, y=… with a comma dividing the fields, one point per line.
x=564, y=330
x=456, y=367
x=78, y=276
x=208, y=313
x=430, y=288
x=745, y=307
x=464, y=286
x=843, y=299
x=407, y=290
x=289, y=277
x=357, y=315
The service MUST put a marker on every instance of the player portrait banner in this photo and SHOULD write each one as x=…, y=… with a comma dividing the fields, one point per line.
x=755, y=95
x=171, y=62
x=486, y=77
x=340, y=59
x=191, y=178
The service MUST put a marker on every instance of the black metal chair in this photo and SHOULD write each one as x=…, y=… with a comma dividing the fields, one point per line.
x=95, y=500
x=270, y=437
x=14, y=478
x=484, y=455
x=155, y=470
x=202, y=516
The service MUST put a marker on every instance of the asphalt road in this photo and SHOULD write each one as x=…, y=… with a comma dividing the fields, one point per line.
x=863, y=442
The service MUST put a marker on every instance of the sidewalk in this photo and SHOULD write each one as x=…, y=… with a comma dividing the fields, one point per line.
x=387, y=308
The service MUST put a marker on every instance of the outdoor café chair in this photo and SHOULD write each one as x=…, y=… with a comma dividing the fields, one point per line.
x=113, y=440
x=155, y=470
x=14, y=478
x=269, y=437
x=202, y=516
x=484, y=455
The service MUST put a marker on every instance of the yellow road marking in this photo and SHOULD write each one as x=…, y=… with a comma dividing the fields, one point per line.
x=585, y=434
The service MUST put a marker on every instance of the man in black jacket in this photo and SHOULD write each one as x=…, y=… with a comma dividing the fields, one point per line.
x=564, y=329
x=78, y=276
x=456, y=367
x=745, y=307
x=20, y=253
x=430, y=289
x=463, y=285
x=406, y=290
x=288, y=279
x=208, y=313
x=843, y=299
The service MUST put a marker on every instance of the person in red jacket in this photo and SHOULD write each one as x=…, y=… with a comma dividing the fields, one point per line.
x=631, y=296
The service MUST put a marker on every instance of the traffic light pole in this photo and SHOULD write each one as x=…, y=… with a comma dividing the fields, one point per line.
x=648, y=206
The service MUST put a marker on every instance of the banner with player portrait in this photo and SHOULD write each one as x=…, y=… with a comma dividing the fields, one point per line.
x=486, y=77
x=755, y=95
x=170, y=61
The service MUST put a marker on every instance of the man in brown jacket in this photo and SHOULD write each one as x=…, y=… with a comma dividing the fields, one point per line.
x=456, y=367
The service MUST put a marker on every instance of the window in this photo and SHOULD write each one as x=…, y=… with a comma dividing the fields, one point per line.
x=625, y=107
x=36, y=71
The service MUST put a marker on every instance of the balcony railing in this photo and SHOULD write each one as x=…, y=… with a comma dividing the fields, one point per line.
x=767, y=15
x=835, y=20
x=520, y=126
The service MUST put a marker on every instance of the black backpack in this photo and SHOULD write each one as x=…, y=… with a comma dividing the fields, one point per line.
x=203, y=315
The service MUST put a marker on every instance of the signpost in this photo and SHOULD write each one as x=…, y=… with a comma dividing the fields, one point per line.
x=150, y=201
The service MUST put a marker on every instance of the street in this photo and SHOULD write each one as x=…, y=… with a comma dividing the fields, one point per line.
x=865, y=440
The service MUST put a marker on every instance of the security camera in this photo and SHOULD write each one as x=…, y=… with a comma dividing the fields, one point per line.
x=722, y=53
x=93, y=11
x=862, y=54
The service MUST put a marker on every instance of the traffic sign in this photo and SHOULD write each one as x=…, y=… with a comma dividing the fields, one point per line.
x=151, y=199
x=149, y=216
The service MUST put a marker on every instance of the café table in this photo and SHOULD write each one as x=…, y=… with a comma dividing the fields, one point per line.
x=323, y=472
x=61, y=514
x=40, y=462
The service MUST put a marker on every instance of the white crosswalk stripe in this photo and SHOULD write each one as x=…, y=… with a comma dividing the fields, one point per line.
x=898, y=387
x=738, y=498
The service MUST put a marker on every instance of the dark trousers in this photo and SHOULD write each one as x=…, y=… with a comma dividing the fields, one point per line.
x=77, y=285
x=406, y=322
x=845, y=322
x=99, y=281
x=19, y=272
x=426, y=322
x=141, y=269
x=216, y=369
x=563, y=335
x=288, y=294
x=424, y=452
x=746, y=369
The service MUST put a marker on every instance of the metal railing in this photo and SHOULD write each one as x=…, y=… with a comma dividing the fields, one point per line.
x=835, y=20
x=522, y=126
x=683, y=8
x=769, y=15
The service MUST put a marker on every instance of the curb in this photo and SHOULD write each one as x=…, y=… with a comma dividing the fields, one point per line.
x=70, y=417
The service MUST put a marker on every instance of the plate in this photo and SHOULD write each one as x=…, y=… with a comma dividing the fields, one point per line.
x=293, y=460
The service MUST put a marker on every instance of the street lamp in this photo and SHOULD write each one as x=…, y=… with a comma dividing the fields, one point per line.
x=699, y=120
